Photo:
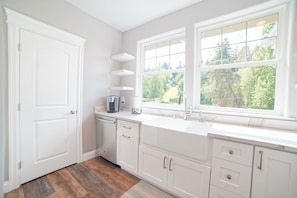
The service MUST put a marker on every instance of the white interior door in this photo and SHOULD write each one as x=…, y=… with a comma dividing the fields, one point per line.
x=48, y=104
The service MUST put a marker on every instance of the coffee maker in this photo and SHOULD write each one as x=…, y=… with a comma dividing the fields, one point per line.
x=113, y=104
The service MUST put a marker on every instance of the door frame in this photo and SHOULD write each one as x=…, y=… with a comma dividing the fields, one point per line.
x=15, y=23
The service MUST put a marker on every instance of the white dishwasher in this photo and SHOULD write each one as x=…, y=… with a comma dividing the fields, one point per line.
x=106, y=138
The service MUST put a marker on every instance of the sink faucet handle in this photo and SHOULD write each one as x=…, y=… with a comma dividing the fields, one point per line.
x=180, y=98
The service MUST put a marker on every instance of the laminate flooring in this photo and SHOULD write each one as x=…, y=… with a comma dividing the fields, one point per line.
x=92, y=178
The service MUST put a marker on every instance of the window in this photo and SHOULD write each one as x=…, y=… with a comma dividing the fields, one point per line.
x=163, y=63
x=239, y=65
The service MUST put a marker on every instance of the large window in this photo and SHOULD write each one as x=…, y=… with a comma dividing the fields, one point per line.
x=239, y=64
x=163, y=63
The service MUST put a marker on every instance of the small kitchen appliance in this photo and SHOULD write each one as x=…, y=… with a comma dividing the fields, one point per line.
x=113, y=104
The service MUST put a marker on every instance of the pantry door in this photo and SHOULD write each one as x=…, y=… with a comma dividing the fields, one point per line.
x=48, y=104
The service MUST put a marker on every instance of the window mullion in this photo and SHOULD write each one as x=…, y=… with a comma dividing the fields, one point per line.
x=164, y=72
x=240, y=65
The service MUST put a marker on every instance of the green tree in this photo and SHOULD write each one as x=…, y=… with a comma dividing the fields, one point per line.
x=258, y=83
x=221, y=87
x=251, y=87
x=153, y=87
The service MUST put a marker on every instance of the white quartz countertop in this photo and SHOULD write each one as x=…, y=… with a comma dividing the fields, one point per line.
x=269, y=136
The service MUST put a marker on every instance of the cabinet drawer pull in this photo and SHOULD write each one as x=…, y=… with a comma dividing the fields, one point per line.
x=164, y=162
x=229, y=177
x=260, y=161
x=170, y=163
x=126, y=127
x=126, y=136
x=231, y=152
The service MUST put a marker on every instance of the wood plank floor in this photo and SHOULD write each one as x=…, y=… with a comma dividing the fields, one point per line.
x=92, y=178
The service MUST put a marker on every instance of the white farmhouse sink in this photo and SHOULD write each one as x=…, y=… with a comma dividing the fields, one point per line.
x=179, y=136
x=187, y=126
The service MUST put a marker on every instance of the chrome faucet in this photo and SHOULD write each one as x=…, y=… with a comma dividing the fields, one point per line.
x=186, y=111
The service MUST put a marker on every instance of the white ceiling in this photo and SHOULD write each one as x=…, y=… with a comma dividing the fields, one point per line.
x=127, y=14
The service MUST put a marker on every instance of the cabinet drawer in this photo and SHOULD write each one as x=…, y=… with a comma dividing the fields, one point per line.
x=233, y=151
x=231, y=176
x=127, y=129
x=216, y=192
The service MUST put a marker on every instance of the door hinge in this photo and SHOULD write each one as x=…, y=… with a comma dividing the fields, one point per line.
x=20, y=165
x=19, y=107
x=19, y=47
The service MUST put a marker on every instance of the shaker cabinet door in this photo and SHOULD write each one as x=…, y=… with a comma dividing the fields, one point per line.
x=275, y=174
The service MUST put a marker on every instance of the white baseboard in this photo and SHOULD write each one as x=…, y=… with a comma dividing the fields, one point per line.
x=7, y=186
x=89, y=155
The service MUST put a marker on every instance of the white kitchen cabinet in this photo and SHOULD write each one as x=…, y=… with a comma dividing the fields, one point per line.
x=153, y=166
x=179, y=176
x=216, y=192
x=187, y=178
x=231, y=176
x=127, y=145
x=274, y=174
x=231, y=169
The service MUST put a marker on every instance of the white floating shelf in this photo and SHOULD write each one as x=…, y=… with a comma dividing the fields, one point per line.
x=122, y=72
x=122, y=88
x=123, y=57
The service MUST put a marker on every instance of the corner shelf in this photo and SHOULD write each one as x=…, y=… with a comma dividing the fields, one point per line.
x=122, y=72
x=122, y=88
x=122, y=57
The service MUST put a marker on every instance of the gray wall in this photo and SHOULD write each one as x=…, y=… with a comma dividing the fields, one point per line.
x=1, y=104
x=102, y=41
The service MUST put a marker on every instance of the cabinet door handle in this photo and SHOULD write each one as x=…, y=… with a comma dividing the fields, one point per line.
x=126, y=136
x=164, y=162
x=231, y=152
x=170, y=163
x=126, y=127
x=260, y=160
x=229, y=177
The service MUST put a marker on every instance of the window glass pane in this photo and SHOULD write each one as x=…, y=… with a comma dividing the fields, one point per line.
x=262, y=50
x=160, y=84
x=177, y=46
x=163, y=48
x=177, y=61
x=227, y=54
x=238, y=53
x=163, y=62
x=262, y=28
x=150, y=51
x=163, y=88
x=235, y=33
x=211, y=38
x=250, y=87
x=150, y=64
x=211, y=56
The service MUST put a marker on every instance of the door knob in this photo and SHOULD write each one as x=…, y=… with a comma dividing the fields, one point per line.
x=73, y=112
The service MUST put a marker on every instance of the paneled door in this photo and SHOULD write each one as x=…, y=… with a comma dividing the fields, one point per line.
x=48, y=104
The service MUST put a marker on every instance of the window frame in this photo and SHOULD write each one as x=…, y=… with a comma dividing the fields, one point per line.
x=140, y=65
x=282, y=67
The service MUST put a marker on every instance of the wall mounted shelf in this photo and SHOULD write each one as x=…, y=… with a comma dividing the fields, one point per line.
x=122, y=72
x=122, y=57
x=122, y=88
